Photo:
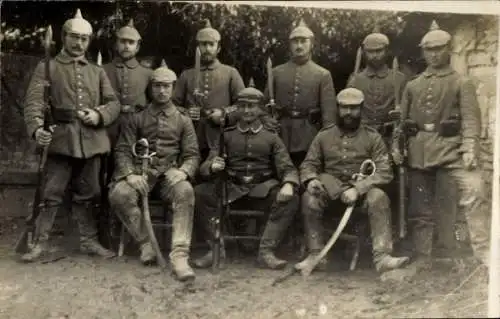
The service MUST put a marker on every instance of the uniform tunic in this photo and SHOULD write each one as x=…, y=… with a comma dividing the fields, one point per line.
x=335, y=156
x=170, y=134
x=423, y=101
x=378, y=89
x=220, y=84
x=76, y=85
x=303, y=88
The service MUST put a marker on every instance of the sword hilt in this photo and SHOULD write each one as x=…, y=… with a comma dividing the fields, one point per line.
x=364, y=168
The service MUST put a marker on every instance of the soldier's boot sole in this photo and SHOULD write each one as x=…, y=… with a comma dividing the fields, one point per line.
x=93, y=248
x=388, y=262
x=270, y=261
x=148, y=255
x=181, y=269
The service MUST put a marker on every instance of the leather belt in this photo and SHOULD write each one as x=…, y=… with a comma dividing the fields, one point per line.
x=63, y=115
x=247, y=179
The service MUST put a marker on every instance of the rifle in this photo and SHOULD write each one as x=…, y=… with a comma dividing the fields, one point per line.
x=217, y=223
x=146, y=158
x=396, y=114
x=28, y=238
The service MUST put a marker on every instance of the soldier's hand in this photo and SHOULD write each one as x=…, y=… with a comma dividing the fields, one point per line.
x=43, y=137
x=218, y=164
x=89, y=117
x=349, y=196
x=285, y=193
x=397, y=157
x=316, y=188
x=470, y=160
x=174, y=176
x=194, y=113
x=216, y=116
x=139, y=183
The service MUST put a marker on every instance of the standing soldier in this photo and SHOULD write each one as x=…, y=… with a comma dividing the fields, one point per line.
x=208, y=88
x=335, y=155
x=440, y=117
x=83, y=105
x=172, y=136
x=378, y=84
x=260, y=174
x=128, y=77
x=305, y=95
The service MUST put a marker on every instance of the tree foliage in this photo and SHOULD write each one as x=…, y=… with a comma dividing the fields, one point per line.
x=250, y=33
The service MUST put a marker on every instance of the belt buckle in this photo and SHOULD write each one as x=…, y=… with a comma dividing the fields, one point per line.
x=429, y=127
x=126, y=108
x=295, y=113
x=247, y=179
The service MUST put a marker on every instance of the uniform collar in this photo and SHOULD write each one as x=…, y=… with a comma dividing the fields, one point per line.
x=212, y=65
x=438, y=72
x=380, y=73
x=255, y=127
x=348, y=134
x=169, y=110
x=300, y=62
x=65, y=58
x=131, y=63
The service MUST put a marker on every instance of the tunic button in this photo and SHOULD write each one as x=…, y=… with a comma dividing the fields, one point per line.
x=249, y=153
x=80, y=104
x=79, y=96
x=428, y=103
x=429, y=96
x=205, y=92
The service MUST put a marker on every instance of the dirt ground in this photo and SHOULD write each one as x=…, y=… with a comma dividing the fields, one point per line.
x=84, y=287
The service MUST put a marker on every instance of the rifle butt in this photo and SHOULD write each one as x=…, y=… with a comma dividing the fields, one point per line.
x=216, y=255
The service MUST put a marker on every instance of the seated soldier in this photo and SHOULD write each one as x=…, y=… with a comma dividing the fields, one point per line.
x=335, y=154
x=260, y=175
x=173, y=138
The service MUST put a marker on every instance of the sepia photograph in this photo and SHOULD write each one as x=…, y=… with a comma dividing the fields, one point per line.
x=249, y=159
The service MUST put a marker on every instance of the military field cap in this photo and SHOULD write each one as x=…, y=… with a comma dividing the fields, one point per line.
x=163, y=74
x=208, y=34
x=128, y=32
x=350, y=96
x=435, y=37
x=375, y=41
x=250, y=94
x=301, y=31
x=78, y=24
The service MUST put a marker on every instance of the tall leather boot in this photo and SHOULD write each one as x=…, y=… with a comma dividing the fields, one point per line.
x=422, y=236
x=381, y=233
x=314, y=237
x=270, y=239
x=88, y=231
x=44, y=224
x=181, y=241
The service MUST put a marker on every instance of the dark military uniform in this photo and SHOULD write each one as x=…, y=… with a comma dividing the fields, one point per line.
x=305, y=98
x=333, y=158
x=220, y=84
x=435, y=153
x=378, y=88
x=172, y=137
x=257, y=164
x=75, y=150
x=130, y=80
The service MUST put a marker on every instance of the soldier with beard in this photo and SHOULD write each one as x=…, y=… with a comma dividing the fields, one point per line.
x=441, y=120
x=305, y=95
x=172, y=136
x=129, y=78
x=378, y=83
x=83, y=105
x=336, y=153
x=218, y=84
x=261, y=176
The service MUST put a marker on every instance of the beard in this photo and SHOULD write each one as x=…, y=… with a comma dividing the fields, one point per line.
x=348, y=123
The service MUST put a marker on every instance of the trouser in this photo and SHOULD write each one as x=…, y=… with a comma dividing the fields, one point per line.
x=426, y=207
x=279, y=215
x=124, y=202
x=83, y=177
x=375, y=203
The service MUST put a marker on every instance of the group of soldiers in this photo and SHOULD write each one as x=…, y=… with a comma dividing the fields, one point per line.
x=289, y=151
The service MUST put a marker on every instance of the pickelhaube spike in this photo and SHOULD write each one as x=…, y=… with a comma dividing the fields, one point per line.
x=78, y=14
x=301, y=31
x=207, y=23
x=131, y=23
x=434, y=26
x=251, y=83
x=302, y=23
x=163, y=64
x=163, y=74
